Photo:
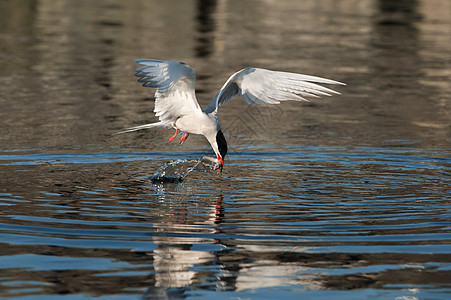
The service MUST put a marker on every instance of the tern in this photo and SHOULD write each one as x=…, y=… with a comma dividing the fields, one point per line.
x=176, y=105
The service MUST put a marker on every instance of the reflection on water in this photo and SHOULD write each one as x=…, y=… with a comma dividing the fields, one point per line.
x=322, y=221
x=336, y=198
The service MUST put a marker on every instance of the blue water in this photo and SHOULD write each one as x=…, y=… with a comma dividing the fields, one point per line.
x=273, y=224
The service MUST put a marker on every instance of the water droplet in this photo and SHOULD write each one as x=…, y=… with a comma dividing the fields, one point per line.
x=175, y=171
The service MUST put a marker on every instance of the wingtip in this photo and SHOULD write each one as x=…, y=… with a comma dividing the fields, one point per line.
x=334, y=82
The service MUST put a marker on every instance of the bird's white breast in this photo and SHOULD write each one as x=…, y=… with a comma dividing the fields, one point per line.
x=198, y=123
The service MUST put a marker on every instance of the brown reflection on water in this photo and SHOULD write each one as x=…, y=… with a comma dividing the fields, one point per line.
x=239, y=271
x=68, y=81
x=205, y=27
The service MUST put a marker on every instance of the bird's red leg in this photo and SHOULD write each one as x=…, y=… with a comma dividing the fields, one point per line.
x=175, y=135
x=184, y=137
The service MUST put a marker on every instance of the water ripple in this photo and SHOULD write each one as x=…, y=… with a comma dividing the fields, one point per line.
x=302, y=214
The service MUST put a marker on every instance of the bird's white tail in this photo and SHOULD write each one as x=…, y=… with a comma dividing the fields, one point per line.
x=145, y=126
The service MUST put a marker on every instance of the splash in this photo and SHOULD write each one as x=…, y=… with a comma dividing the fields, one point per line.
x=175, y=171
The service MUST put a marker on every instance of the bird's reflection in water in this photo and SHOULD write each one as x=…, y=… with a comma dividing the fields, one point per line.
x=192, y=253
x=196, y=252
x=183, y=236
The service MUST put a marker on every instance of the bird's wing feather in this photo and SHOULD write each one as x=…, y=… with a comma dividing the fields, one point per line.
x=261, y=86
x=174, y=83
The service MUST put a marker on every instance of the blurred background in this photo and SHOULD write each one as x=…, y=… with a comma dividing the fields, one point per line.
x=67, y=67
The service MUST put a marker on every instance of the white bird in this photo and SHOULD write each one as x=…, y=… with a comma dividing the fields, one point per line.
x=176, y=105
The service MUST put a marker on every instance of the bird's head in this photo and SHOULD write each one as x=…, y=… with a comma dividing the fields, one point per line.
x=221, y=152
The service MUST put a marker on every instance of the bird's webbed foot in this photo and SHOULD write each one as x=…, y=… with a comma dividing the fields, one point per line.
x=175, y=135
x=184, y=137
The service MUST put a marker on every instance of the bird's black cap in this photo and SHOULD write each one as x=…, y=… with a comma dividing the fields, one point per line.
x=222, y=144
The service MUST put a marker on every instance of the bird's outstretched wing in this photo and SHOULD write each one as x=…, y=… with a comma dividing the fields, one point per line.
x=174, y=83
x=261, y=86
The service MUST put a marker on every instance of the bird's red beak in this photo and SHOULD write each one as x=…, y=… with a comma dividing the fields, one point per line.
x=220, y=164
x=220, y=159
